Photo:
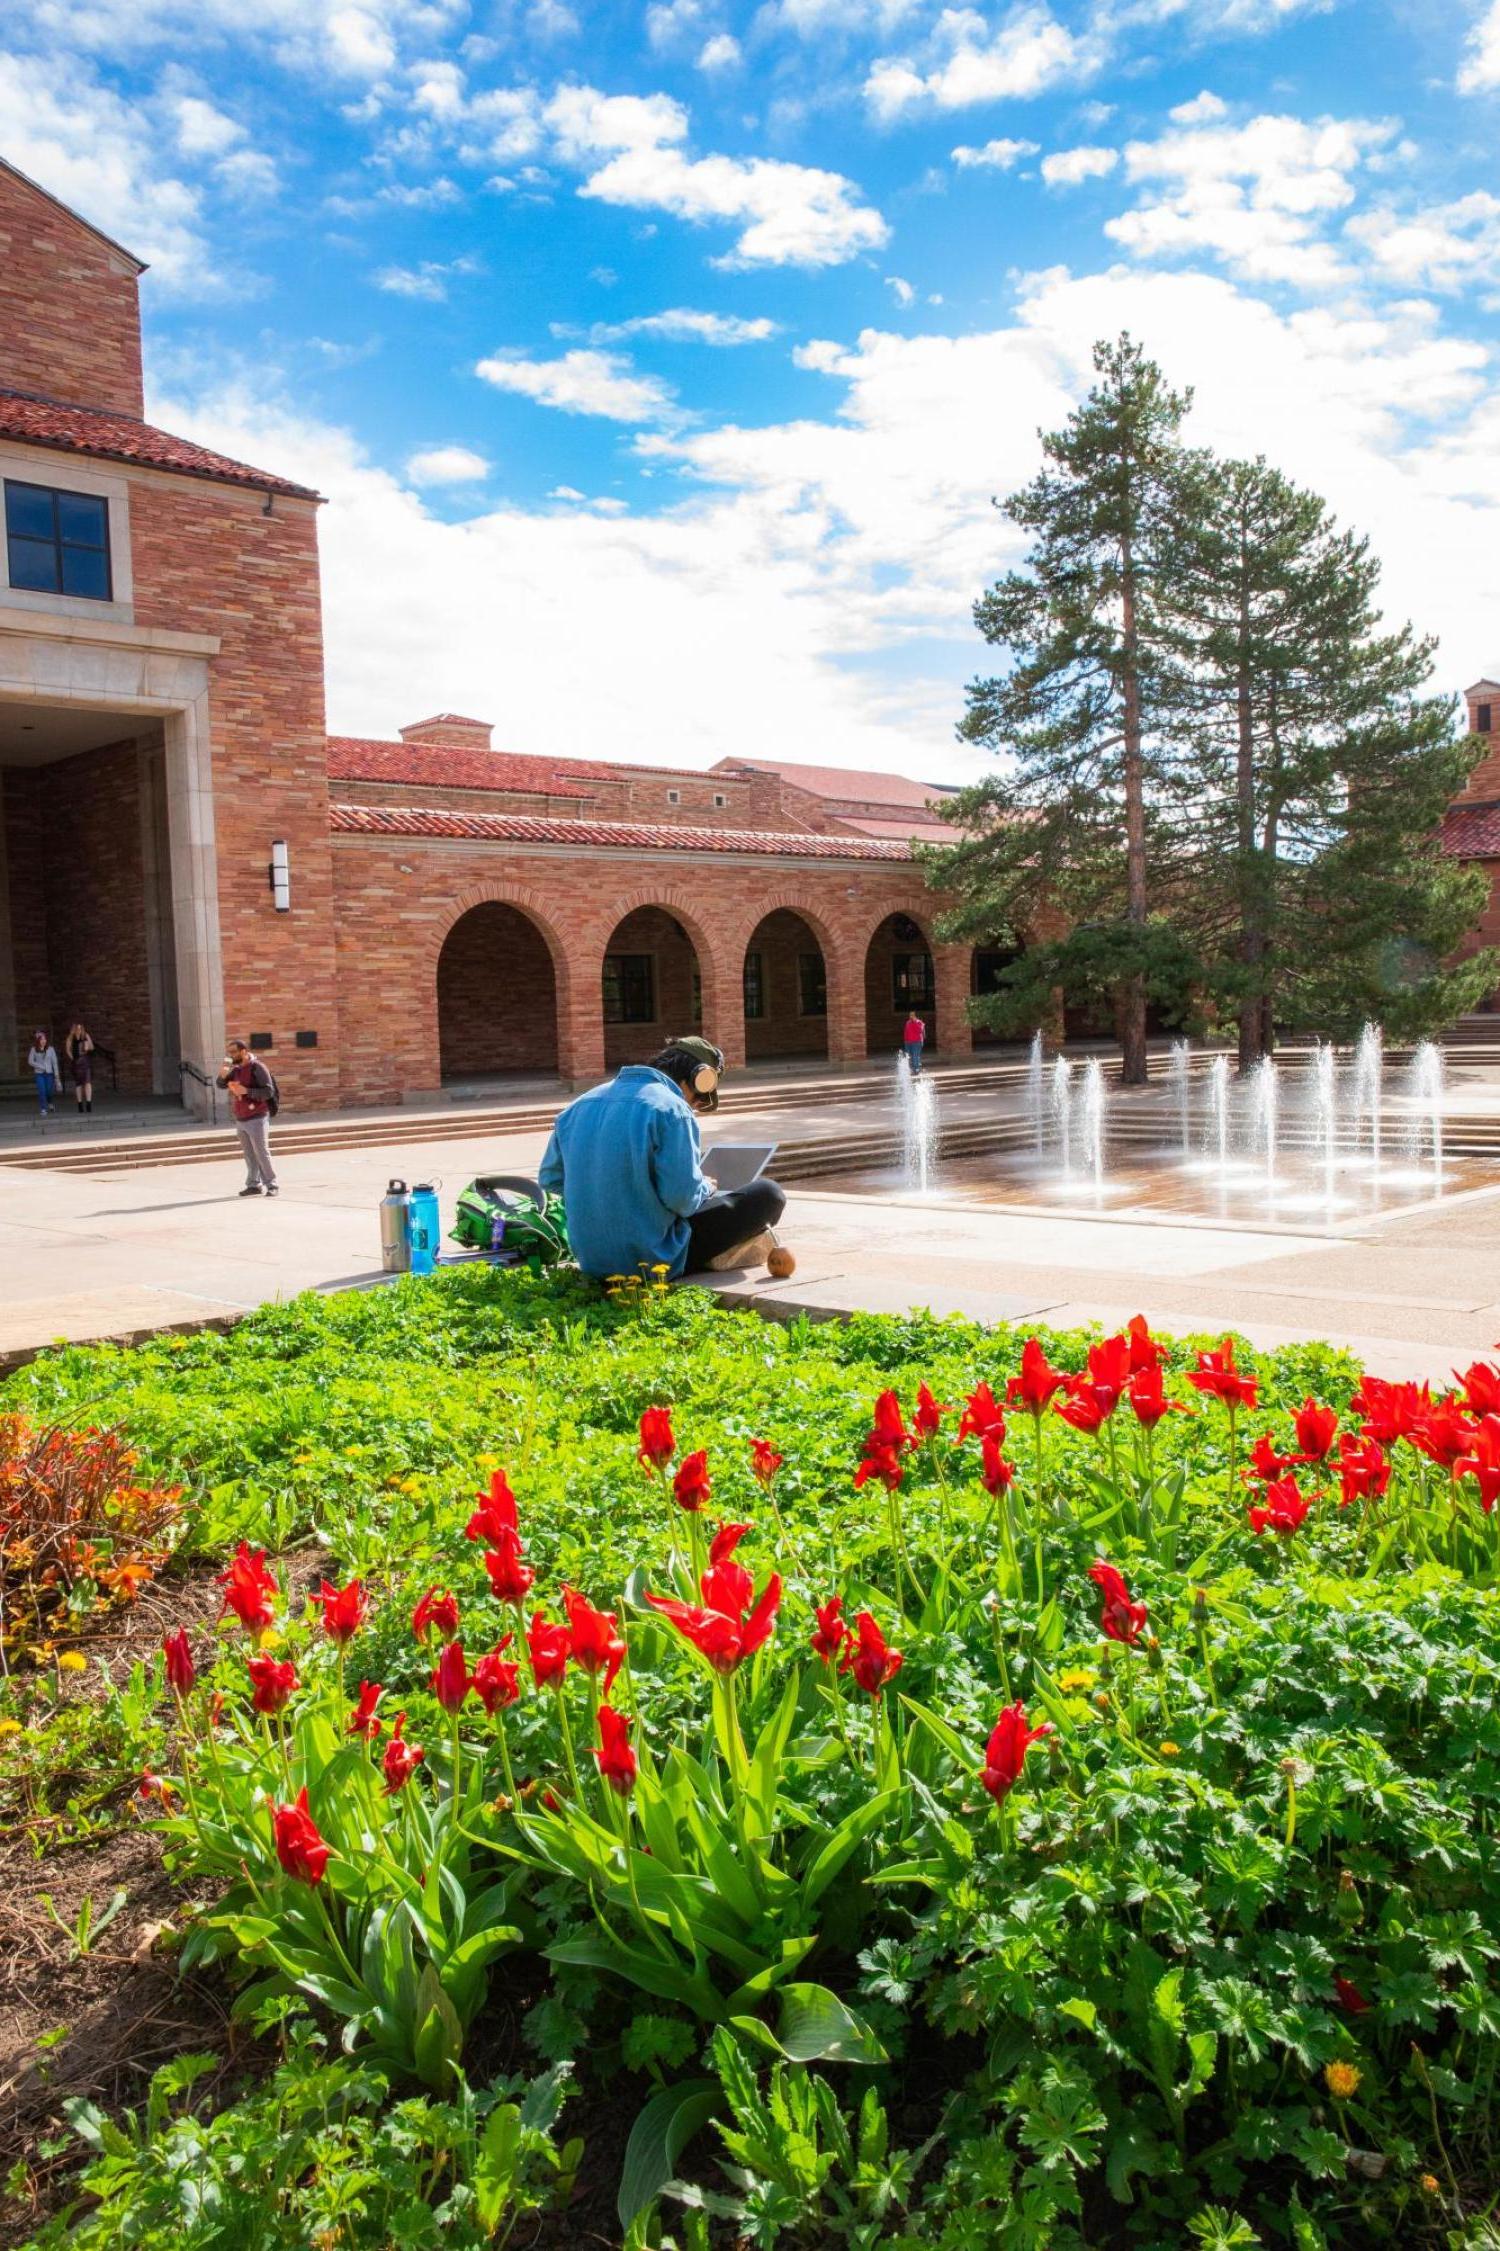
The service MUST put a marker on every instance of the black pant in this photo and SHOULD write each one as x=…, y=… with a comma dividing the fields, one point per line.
x=732, y=1217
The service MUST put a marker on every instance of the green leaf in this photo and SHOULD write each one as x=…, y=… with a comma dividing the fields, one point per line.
x=846, y=1839
x=662, y=2131
x=817, y=2026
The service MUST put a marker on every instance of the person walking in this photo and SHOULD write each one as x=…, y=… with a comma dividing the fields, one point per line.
x=41, y=1057
x=913, y=1039
x=251, y=1090
x=79, y=1050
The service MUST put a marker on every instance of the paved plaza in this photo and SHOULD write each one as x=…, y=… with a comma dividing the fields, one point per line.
x=122, y=1252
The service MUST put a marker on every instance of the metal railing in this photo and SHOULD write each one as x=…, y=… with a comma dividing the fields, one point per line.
x=191, y=1071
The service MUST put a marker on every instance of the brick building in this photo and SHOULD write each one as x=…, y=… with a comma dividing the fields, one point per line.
x=1472, y=829
x=449, y=909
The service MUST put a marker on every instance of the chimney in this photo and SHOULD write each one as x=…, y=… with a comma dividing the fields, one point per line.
x=449, y=730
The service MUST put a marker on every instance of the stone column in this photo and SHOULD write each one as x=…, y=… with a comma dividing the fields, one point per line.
x=195, y=895
x=844, y=976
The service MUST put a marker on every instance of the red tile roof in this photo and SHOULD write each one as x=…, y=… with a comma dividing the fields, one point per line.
x=1472, y=832
x=638, y=836
x=356, y=758
x=120, y=437
x=447, y=719
x=914, y=824
x=846, y=784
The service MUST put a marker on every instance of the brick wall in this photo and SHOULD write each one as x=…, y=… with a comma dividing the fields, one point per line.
x=496, y=995
x=70, y=324
x=26, y=868
x=208, y=558
x=781, y=940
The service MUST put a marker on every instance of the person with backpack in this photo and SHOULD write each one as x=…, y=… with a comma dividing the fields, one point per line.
x=255, y=1098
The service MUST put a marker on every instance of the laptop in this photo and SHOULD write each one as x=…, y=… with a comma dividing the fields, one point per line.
x=734, y=1164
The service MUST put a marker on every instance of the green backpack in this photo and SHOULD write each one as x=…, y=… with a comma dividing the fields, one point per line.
x=514, y=1219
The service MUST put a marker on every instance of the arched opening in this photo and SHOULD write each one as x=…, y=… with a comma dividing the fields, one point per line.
x=899, y=978
x=651, y=986
x=496, y=995
x=786, y=989
x=986, y=975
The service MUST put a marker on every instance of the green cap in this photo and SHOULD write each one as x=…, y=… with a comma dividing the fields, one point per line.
x=703, y=1051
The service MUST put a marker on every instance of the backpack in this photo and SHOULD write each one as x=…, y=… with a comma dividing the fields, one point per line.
x=271, y=1090
x=513, y=1220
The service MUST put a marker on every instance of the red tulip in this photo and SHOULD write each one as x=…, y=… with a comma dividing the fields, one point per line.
x=401, y=1758
x=299, y=1847
x=363, y=1720
x=1282, y=1508
x=657, y=1444
x=981, y=1413
x=889, y=1426
x=1350, y=1997
x=725, y=1638
x=1005, y=1753
x=996, y=1474
x=1390, y=1410
x=271, y=1684
x=511, y=1578
x=594, y=1644
x=867, y=1655
x=1145, y=1352
x=692, y=1486
x=928, y=1417
x=1217, y=1375
x=1482, y=1463
x=549, y=1647
x=1121, y=1619
x=617, y=1761
x=1265, y=1464
x=1364, y=1469
x=158, y=1788
x=496, y=1513
x=830, y=1633
x=435, y=1613
x=881, y=1462
x=343, y=1609
x=497, y=1681
x=1481, y=1385
x=726, y=1585
x=1088, y=1406
x=1147, y=1393
x=249, y=1590
x=1110, y=1366
x=1037, y=1381
x=764, y=1460
x=1444, y=1434
x=450, y=1682
x=178, y=1655
x=1317, y=1427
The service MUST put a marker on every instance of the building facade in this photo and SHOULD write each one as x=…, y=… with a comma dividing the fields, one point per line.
x=185, y=851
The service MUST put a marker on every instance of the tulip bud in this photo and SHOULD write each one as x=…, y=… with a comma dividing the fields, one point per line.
x=1155, y=1662
x=1200, y=1608
x=1348, y=1907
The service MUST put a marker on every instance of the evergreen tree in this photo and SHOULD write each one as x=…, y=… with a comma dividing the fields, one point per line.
x=1071, y=836
x=1320, y=771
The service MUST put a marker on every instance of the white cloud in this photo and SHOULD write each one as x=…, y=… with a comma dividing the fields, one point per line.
x=246, y=172
x=722, y=52
x=789, y=214
x=427, y=282
x=1258, y=196
x=1067, y=168
x=1001, y=156
x=670, y=22
x=680, y=325
x=1480, y=70
x=1447, y=246
x=901, y=290
x=966, y=62
x=201, y=129
x=583, y=382
x=446, y=465
x=588, y=124
x=1203, y=109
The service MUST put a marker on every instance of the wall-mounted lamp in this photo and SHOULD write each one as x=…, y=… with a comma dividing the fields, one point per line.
x=281, y=876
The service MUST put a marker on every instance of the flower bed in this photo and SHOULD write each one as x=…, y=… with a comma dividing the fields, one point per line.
x=942, y=1787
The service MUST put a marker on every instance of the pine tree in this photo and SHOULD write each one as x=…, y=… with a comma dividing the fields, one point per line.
x=1320, y=769
x=1072, y=835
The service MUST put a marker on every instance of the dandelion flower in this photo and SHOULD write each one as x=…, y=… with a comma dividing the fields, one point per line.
x=72, y=1661
x=1077, y=1676
x=1341, y=2080
x=1170, y=1750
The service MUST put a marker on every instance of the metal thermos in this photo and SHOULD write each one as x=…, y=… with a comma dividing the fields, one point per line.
x=425, y=1227
x=395, y=1229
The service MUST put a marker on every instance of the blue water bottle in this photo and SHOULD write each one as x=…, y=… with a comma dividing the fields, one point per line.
x=425, y=1225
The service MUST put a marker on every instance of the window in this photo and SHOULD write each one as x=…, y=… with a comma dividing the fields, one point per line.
x=720, y=799
x=911, y=982
x=629, y=989
x=812, y=985
x=57, y=542
x=674, y=796
x=990, y=965
x=1482, y=718
x=755, y=988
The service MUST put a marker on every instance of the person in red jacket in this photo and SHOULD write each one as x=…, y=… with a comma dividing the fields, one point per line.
x=249, y=1086
x=913, y=1038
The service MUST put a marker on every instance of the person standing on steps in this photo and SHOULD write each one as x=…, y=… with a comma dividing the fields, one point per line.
x=41, y=1058
x=79, y=1050
x=913, y=1039
x=252, y=1092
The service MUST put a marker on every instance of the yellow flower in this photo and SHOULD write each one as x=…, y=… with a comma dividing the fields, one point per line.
x=1077, y=1676
x=1170, y=1750
x=72, y=1661
x=1341, y=2080
x=1430, y=2185
x=300, y=1461
x=10, y=1727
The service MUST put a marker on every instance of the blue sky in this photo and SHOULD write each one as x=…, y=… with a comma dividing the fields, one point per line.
x=660, y=362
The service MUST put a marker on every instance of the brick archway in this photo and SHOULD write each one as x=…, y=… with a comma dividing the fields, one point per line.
x=502, y=984
x=654, y=908
x=784, y=1029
